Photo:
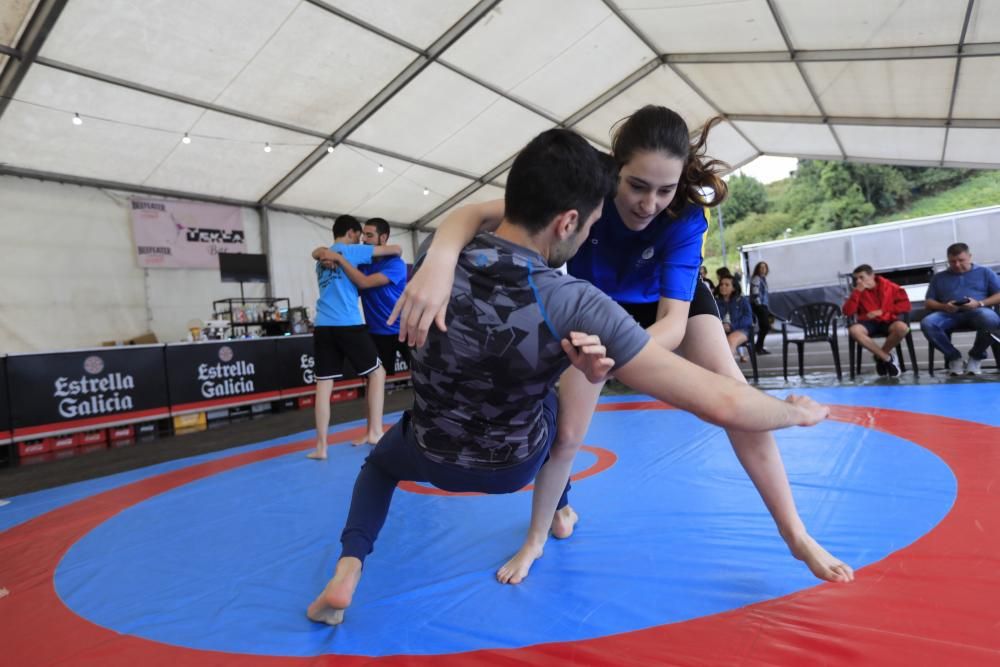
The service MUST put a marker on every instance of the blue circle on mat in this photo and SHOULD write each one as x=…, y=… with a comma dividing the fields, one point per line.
x=673, y=531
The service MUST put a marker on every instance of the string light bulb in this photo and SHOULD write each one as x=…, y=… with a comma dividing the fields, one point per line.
x=186, y=139
x=267, y=147
x=381, y=169
x=329, y=149
x=77, y=120
x=426, y=192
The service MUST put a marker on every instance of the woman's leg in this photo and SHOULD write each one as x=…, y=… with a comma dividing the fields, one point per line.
x=705, y=344
x=735, y=339
x=577, y=400
x=763, y=324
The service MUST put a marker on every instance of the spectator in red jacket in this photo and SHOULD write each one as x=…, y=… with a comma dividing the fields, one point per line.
x=878, y=303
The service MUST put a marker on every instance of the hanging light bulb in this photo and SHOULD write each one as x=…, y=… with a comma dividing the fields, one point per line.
x=426, y=192
x=381, y=169
x=77, y=120
x=186, y=139
x=329, y=149
x=267, y=147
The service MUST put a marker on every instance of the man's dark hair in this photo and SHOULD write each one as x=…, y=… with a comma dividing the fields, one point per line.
x=957, y=249
x=557, y=171
x=864, y=268
x=344, y=224
x=380, y=225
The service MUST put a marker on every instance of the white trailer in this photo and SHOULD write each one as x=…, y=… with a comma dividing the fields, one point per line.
x=817, y=267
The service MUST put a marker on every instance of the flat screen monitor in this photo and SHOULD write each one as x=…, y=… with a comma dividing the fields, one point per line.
x=243, y=268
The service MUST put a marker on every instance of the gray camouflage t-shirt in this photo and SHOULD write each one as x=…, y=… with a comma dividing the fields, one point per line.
x=479, y=386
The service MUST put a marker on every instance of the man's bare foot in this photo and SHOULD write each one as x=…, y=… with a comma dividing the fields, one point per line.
x=516, y=569
x=318, y=454
x=820, y=561
x=371, y=438
x=563, y=523
x=336, y=597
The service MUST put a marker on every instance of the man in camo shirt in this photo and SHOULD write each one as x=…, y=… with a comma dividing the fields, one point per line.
x=484, y=414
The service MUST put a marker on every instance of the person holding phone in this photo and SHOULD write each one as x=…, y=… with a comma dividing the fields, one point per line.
x=962, y=296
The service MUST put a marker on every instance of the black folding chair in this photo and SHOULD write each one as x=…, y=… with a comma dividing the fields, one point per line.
x=818, y=322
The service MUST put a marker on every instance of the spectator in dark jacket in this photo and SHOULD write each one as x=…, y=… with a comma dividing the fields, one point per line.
x=734, y=309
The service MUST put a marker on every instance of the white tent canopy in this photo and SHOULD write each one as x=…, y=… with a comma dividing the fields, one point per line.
x=404, y=109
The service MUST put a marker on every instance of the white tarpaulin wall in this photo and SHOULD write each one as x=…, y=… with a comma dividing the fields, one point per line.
x=404, y=109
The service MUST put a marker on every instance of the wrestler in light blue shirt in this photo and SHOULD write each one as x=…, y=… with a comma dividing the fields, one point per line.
x=337, y=305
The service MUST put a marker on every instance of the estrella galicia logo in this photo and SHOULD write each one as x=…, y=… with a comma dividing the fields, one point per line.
x=648, y=253
x=93, y=365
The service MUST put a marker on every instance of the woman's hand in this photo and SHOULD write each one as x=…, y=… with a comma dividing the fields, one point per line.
x=425, y=300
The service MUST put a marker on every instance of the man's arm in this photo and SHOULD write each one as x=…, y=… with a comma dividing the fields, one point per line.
x=851, y=305
x=323, y=254
x=387, y=250
x=716, y=399
x=361, y=280
x=900, y=301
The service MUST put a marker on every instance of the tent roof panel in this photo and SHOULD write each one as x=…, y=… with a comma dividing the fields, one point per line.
x=188, y=47
x=884, y=88
x=310, y=73
x=753, y=88
x=973, y=146
x=206, y=165
x=682, y=26
x=555, y=41
x=662, y=86
x=124, y=134
x=974, y=98
x=726, y=144
x=418, y=22
x=438, y=110
x=404, y=199
x=483, y=194
x=13, y=16
x=863, y=24
x=343, y=180
x=900, y=144
x=790, y=138
x=984, y=24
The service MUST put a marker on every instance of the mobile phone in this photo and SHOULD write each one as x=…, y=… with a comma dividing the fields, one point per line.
x=961, y=302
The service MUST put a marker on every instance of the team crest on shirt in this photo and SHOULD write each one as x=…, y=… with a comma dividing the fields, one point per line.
x=648, y=253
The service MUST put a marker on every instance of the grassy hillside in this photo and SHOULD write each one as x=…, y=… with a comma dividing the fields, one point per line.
x=982, y=189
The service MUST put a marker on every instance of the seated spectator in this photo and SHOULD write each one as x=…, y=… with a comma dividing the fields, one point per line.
x=734, y=309
x=722, y=272
x=703, y=276
x=962, y=296
x=876, y=304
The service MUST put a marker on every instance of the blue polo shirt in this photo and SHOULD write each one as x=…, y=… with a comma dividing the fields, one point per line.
x=378, y=302
x=337, y=305
x=977, y=283
x=662, y=260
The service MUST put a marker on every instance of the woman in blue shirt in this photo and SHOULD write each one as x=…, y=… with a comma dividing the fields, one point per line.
x=734, y=309
x=645, y=252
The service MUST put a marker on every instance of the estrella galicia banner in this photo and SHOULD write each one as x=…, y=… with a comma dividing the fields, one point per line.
x=58, y=392
x=296, y=359
x=204, y=376
x=4, y=406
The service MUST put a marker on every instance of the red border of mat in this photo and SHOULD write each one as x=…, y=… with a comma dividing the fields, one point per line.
x=931, y=603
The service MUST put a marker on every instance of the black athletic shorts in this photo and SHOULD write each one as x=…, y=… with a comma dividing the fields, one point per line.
x=387, y=344
x=703, y=303
x=333, y=345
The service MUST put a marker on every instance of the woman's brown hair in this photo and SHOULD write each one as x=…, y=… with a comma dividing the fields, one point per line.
x=654, y=128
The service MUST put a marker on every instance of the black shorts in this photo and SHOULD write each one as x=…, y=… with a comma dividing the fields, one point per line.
x=876, y=328
x=703, y=303
x=387, y=344
x=333, y=345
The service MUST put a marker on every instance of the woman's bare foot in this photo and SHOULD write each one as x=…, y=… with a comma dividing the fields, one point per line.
x=371, y=438
x=318, y=454
x=336, y=597
x=563, y=523
x=820, y=561
x=516, y=569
